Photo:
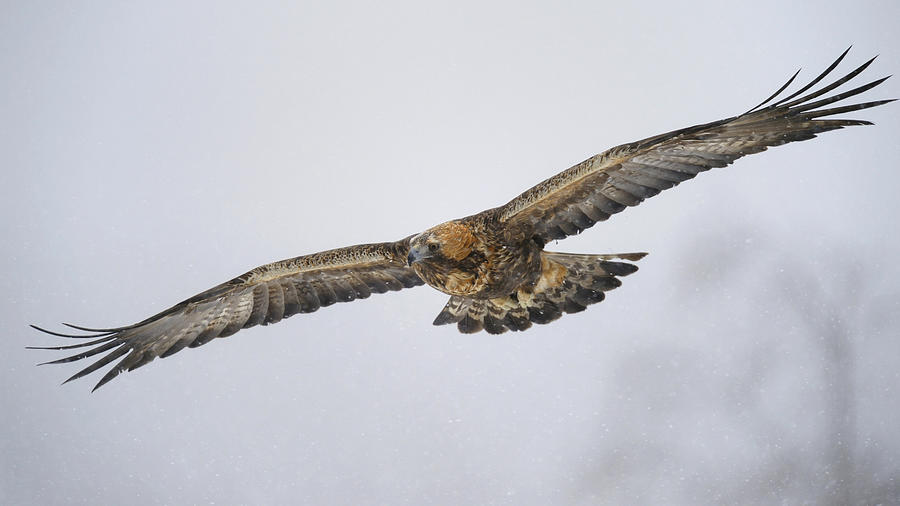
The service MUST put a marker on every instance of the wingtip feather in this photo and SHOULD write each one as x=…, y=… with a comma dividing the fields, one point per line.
x=72, y=336
x=89, y=329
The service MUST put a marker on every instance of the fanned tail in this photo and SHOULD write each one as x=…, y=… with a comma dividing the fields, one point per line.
x=568, y=284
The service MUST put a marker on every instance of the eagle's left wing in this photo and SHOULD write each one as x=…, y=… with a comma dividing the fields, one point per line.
x=624, y=176
x=262, y=296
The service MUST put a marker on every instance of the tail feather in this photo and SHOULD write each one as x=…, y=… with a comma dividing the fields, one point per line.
x=568, y=284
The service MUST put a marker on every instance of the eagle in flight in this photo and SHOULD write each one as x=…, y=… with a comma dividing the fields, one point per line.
x=493, y=264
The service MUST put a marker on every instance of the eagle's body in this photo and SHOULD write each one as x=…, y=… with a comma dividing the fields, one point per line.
x=476, y=257
x=492, y=264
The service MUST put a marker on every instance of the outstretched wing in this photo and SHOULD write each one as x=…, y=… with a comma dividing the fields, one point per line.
x=262, y=296
x=624, y=176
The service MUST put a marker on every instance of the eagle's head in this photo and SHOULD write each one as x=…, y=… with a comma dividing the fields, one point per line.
x=447, y=241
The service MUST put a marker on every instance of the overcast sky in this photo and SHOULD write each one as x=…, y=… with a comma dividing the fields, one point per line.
x=151, y=150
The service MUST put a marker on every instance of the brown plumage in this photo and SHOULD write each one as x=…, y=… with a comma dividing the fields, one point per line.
x=492, y=264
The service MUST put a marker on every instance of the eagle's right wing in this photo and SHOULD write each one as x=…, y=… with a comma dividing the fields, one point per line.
x=264, y=295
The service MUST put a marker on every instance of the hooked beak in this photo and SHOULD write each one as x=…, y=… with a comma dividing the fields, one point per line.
x=417, y=253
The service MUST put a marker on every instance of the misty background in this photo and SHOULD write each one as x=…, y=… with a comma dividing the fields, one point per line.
x=152, y=150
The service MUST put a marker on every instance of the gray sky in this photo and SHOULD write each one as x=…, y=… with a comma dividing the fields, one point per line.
x=153, y=150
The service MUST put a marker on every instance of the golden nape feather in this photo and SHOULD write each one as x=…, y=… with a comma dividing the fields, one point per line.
x=492, y=264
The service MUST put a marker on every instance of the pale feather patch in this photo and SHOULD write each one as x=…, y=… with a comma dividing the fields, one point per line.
x=552, y=275
x=506, y=303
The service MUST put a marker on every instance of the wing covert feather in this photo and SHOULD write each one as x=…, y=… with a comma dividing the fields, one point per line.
x=261, y=296
x=624, y=176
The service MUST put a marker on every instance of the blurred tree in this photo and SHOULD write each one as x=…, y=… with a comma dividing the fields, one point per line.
x=839, y=304
x=751, y=395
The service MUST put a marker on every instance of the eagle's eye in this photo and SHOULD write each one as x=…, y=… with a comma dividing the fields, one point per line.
x=433, y=247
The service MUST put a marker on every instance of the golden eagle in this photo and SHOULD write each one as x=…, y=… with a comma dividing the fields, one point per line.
x=492, y=264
